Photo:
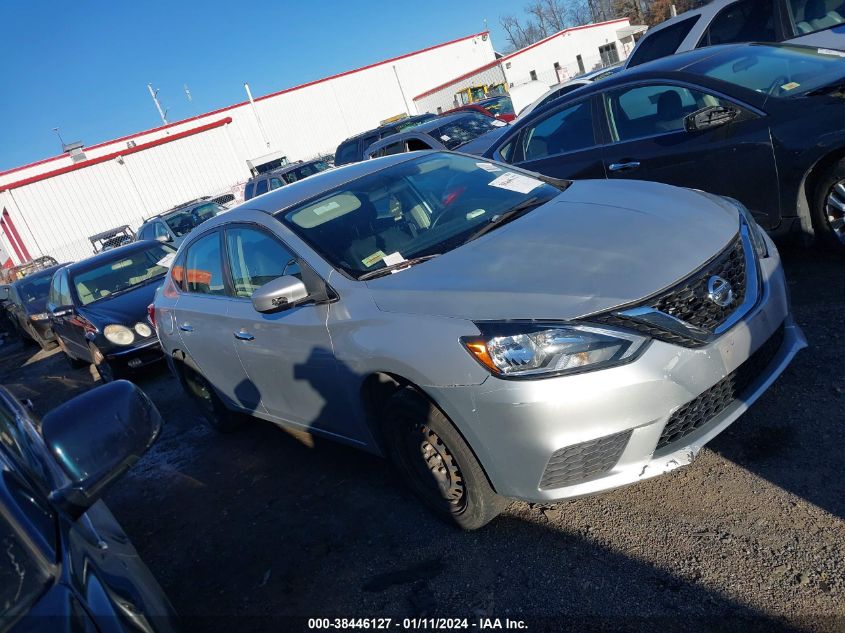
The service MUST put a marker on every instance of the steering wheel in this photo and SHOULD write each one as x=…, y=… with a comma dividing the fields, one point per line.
x=776, y=84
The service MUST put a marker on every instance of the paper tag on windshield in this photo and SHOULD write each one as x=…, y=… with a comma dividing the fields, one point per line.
x=487, y=167
x=830, y=51
x=166, y=260
x=515, y=182
x=445, y=137
x=375, y=258
x=790, y=86
x=498, y=123
x=393, y=258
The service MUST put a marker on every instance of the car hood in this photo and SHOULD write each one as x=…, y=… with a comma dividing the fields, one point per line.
x=596, y=246
x=126, y=308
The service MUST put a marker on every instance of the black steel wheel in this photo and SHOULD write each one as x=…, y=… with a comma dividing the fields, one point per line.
x=436, y=462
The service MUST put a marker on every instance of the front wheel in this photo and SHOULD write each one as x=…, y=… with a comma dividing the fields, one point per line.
x=107, y=371
x=829, y=207
x=437, y=463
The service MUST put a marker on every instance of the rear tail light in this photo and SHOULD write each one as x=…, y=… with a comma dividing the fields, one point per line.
x=151, y=315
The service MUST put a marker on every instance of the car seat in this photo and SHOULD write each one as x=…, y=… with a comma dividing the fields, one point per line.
x=670, y=111
x=817, y=17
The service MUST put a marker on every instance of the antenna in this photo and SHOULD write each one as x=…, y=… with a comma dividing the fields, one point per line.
x=154, y=95
x=59, y=134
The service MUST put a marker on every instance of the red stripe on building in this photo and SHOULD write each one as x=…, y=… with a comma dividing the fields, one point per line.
x=243, y=103
x=10, y=225
x=124, y=152
x=505, y=58
x=11, y=240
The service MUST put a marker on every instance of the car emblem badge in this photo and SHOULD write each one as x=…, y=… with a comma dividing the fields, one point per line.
x=719, y=291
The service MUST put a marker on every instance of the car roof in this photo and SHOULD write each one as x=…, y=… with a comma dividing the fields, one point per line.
x=442, y=120
x=110, y=254
x=386, y=126
x=286, y=168
x=180, y=207
x=307, y=188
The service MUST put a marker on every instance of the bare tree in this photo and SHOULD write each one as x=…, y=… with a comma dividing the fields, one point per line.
x=545, y=18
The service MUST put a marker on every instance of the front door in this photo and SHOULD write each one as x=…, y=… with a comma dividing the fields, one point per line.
x=287, y=354
x=204, y=325
x=66, y=323
x=649, y=142
x=561, y=144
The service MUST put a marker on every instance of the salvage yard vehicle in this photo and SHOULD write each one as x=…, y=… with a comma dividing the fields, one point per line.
x=352, y=149
x=98, y=308
x=262, y=183
x=27, y=308
x=67, y=565
x=447, y=132
x=11, y=275
x=817, y=23
x=762, y=123
x=112, y=238
x=495, y=333
x=174, y=224
x=498, y=107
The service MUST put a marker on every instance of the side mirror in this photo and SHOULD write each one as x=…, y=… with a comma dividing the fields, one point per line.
x=95, y=438
x=59, y=311
x=283, y=292
x=164, y=239
x=709, y=117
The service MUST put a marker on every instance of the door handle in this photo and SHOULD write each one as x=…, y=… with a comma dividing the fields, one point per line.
x=624, y=166
x=186, y=327
x=243, y=335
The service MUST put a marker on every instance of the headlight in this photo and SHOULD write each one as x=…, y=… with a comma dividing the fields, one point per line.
x=143, y=330
x=754, y=230
x=527, y=350
x=118, y=334
x=41, y=316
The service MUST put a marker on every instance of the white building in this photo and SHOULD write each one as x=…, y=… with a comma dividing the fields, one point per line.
x=51, y=207
x=557, y=58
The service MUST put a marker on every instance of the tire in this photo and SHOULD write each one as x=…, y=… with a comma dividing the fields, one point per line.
x=436, y=462
x=828, y=217
x=218, y=416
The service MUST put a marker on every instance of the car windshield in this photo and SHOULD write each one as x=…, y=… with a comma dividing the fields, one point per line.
x=184, y=221
x=308, y=169
x=776, y=70
x=34, y=289
x=122, y=273
x=462, y=130
x=423, y=206
x=500, y=105
x=413, y=122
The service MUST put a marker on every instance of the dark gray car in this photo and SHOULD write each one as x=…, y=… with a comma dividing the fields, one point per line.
x=173, y=225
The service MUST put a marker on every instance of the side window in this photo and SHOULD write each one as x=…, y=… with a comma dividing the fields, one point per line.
x=204, y=267
x=146, y=232
x=64, y=291
x=255, y=258
x=393, y=148
x=177, y=271
x=661, y=43
x=275, y=183
x=160, y=230
x=810, y=16
x=249, y=190
x=650, y=110
x=53, y=295
x=261, y=187
x=743, y=21
x=415, y=145
x=566, y=130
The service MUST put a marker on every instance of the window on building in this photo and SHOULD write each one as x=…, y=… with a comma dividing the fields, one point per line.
x=533, y=74
x=580, y=60
x=608, y=53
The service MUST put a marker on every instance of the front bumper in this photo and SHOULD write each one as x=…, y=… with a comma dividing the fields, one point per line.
x=515, y=427
x=136, y=356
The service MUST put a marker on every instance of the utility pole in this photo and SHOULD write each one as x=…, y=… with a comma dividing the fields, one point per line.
x=154, y=95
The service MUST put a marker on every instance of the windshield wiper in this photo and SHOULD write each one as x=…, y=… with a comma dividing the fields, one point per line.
x=398, y=266
x=511, y=214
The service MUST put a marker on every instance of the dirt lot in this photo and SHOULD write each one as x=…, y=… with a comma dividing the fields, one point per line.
x=245, y=530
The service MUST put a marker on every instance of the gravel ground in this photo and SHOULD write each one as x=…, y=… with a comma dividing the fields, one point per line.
x=245, y=530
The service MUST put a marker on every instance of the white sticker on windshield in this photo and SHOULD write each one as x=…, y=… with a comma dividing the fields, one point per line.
x=445, y=137
x=488, y=167
x=830, y=51
x=515, y=182
x=325, y=208
x=498, y=123
x=393, y=258
x=166, y=260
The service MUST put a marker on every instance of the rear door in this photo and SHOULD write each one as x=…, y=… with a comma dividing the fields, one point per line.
x=288, y=354
x=563, y=143
x=648, y=141
x=204, y=325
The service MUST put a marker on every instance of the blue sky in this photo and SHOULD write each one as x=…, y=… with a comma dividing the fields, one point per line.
x=84, y=66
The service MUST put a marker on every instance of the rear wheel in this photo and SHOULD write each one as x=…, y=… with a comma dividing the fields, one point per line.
x=107, y=371
x=829, y=207
x=215, y=412
x=437, y=463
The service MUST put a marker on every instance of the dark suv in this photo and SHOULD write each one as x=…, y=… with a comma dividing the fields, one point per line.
x=173, y=225
x=352, y=149
x=262, y=183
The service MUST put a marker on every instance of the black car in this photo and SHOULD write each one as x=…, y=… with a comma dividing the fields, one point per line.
x=66, y=564
x=289, y=174
x=761, y=123
x=98, y=308
x=27, y=307
x=352, y=149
